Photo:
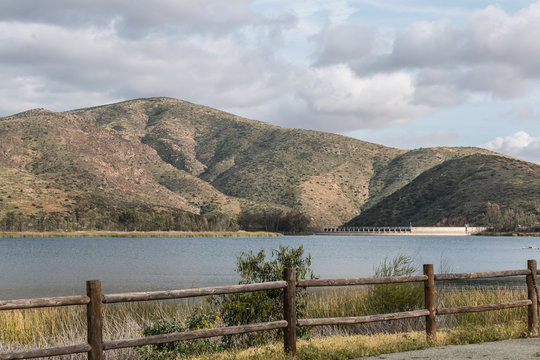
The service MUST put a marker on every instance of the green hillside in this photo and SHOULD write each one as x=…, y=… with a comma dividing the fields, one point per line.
x=406, y=167
x=165, y=159
x=325, y=175
x=458, y=190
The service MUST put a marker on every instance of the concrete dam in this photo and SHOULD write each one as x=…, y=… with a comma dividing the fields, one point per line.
x=404, y=230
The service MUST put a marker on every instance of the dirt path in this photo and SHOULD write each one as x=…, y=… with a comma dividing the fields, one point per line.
x=507, y=349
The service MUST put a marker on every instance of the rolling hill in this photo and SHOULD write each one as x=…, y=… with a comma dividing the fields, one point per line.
x=458, y=190
x=171, y=155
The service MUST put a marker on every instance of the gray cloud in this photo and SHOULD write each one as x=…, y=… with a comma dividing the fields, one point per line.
x=346, y=41
x=520, y=112
x=135, y=19
x=56, y=62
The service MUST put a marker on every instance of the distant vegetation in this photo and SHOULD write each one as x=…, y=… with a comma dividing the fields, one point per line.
x=275, y=220
x=100, y=214
x=510, y=220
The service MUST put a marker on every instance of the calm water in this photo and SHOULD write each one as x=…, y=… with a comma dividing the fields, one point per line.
x=60, y=266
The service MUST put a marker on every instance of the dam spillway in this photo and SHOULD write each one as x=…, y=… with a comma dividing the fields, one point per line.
x=404, y=230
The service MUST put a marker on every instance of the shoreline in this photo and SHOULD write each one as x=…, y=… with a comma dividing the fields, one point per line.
x=136, y=234
x=509, y=233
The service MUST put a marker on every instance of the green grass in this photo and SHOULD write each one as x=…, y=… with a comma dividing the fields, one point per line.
x=137, y=234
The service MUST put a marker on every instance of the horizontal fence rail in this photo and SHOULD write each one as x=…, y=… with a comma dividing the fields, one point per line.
x=192, y=335
x=95, y=299
x=20, y=304
x=47, y=352
x=482, y=275
x=360, y=281
x=480, y=308
x=187, y=293
x=362, y=319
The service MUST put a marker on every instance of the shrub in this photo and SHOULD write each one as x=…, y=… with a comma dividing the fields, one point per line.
x=263, y=306
x=199, y=319
x=388, y=298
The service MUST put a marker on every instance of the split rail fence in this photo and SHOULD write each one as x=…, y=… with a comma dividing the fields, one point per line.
x=94, y=301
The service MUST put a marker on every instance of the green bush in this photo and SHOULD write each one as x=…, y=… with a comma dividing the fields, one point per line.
x=199, y=319
x=263, y=306
x=237, y=309
x=389, y=298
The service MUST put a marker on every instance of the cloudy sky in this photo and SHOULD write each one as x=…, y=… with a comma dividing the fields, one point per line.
x=406, y=74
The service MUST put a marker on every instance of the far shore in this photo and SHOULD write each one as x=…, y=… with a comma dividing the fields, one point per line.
x=510, y=233
x=134, y=234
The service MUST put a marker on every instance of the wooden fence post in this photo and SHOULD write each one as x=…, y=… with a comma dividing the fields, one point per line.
x=429, y=300
x=532, y=310
x=289, y=311
x=94, y=320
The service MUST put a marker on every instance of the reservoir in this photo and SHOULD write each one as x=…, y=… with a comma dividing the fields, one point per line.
x=42, y=267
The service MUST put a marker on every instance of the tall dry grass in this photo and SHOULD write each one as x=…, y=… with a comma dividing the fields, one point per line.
x=26, y=329
x=46, y=327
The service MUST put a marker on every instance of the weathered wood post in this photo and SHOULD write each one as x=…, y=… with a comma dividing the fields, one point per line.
x=289, y=311
x=532, y=310
x=429, y=300
x=94, y=320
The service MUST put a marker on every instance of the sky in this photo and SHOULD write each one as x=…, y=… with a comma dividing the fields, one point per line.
x=411, y=74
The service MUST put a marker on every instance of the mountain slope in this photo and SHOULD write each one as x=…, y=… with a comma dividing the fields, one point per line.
x=406, y=167
x=325, y=175
x=81, y=157
x=171, y=154
x=458, y=189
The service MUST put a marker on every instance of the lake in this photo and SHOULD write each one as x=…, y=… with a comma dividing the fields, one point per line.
x=40, y=267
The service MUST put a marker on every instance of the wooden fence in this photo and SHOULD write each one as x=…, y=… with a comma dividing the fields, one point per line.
x=94, y=300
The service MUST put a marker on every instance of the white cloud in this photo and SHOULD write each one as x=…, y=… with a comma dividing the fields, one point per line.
x=347, y=102
x=520, y=145
x=494, y=52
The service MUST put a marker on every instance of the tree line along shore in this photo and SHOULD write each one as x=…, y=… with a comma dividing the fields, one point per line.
x=138, y=234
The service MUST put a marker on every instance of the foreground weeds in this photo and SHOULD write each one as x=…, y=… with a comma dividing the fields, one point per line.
x=26, y=329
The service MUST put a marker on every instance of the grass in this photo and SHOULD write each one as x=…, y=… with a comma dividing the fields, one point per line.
x=127, y=234
x=26, y=329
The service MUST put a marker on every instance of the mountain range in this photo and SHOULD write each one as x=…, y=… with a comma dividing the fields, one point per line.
x=165, y=153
